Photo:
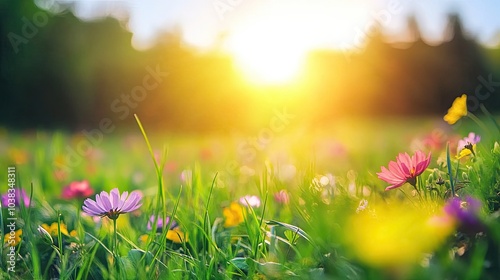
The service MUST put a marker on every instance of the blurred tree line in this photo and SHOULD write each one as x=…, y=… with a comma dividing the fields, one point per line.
x=60, y=72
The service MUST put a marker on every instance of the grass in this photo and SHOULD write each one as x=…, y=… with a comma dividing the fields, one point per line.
x=336, y=223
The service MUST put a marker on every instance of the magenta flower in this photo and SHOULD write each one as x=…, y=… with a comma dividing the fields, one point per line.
x=13, y=198
x=112, y=204
x=405, y=169
x=472, y=139
x=77, y=189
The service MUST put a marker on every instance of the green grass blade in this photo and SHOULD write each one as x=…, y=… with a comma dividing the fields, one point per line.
x=450, y=174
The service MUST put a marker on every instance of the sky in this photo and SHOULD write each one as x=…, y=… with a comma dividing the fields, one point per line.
x=336, y=24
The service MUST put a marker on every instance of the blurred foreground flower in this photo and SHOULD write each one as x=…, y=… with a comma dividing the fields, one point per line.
x=233, y=215
x=77, y=189
x=457, y=110
x=13, y=240
x=395, y=234
x=15, y=196
x=250, y=200
x=112, y=204
x=465, y=214
x=405, y=169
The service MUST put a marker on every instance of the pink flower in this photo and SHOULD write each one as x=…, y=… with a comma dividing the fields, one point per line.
x=77, y=189
x=405, y=169
x=435, y=140
x=282, y=197
x=112, y=204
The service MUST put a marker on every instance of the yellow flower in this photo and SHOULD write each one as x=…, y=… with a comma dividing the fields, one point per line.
x=14, y=240
x=394, y=235
x=233, y=214
x=52, y=229
x=144, y=238
x=458, y=109
x=466, y=151
x=177, y=236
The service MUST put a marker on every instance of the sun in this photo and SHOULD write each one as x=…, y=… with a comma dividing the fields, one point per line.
x=268, y=56
x=270, y=44
x=269, y=50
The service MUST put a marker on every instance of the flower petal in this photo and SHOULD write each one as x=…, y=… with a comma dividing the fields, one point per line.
x=389, y=177
x=396, y=170
x=131, y=203
x=406, y=164
x=92, y=208
x=105, y=201
x=123, y=199
x=394, y=186
x=115, y=198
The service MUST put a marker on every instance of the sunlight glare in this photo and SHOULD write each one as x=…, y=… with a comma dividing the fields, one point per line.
x=268, y=56
x=270, y=46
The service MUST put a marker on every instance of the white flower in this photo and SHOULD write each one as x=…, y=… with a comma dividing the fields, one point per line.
x=250, y=200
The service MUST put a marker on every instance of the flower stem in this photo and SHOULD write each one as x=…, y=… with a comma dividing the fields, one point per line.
x=416, y=188
x=478, y=122
x=115, y=241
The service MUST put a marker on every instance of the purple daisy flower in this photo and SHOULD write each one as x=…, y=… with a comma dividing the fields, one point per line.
x=112, y=204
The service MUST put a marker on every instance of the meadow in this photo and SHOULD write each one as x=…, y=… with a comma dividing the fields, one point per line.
x=292, y=204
